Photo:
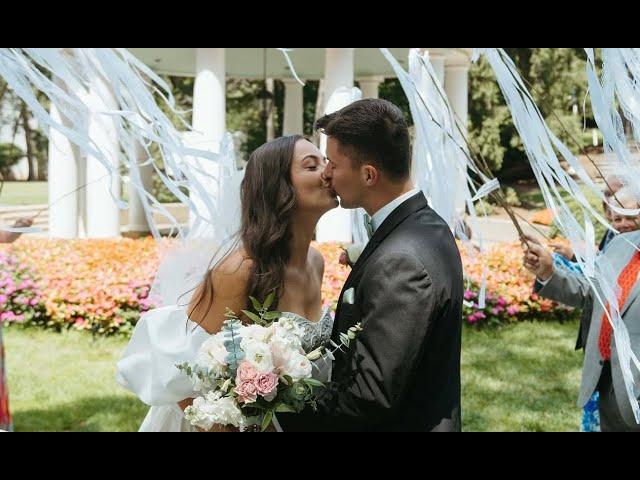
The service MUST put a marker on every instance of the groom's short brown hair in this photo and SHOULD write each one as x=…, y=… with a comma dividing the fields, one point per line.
x=372, y=131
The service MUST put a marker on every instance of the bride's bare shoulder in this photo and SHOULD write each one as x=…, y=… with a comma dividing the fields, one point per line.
x=237, y=265
x=226, y=287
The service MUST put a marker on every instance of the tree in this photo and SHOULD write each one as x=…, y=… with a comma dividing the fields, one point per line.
x=9, y=156
x=17, y=113
x=557, y=81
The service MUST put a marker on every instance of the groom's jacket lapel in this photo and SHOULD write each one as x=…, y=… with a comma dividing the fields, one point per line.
x=412, y=205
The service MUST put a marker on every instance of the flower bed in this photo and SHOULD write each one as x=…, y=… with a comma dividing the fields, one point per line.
x=510, y=294
x=20, y=297
x=103, y=285
x=97, y=285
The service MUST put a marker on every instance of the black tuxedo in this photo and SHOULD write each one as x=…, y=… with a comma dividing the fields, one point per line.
x=403, y=371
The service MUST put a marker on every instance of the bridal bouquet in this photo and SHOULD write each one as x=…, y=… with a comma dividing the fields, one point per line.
x=246, y=373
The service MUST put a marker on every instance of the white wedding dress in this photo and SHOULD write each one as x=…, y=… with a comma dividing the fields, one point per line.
x=165, y=337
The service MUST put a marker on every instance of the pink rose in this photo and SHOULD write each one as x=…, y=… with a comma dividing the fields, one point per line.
x=246, y=373
x=247, y=392
x=266, y=384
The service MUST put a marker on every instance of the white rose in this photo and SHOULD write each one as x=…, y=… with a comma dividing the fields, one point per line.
x=253, y=333
x=281, y=354
x=212, y=355
x=259, y=355
x=289, y=333
x=298, y=367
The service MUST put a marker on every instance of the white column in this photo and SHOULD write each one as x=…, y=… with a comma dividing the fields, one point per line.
x=456, y=87
x=335, y=225
x=457, y=90
x=209, y=95
x=209, y=119
x=62, y=181
x=338, y=71
x=369, y=86
x=437, y=59
x=293, y=107
x=138, y=223
x=102, y=191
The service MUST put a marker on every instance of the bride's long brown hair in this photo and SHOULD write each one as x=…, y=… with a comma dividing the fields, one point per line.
x=268, y=200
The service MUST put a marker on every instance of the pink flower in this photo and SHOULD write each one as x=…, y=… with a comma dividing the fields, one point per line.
x=344, y=258
x=512, y=310
x=266, y=384
x=247, y=392
x=246, y=373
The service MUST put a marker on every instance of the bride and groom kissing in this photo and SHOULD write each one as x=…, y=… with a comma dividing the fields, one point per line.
x=402, y=373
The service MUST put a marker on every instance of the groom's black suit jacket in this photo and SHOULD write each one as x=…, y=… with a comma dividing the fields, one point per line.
x=403, y=371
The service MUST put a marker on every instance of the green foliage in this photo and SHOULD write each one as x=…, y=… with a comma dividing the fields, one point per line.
x=243, y=113
x=489, y=117
x=511, y=197
x=483, y=207
x=391, y=90
x=577, y=211
x=9, y=156
x=557, y=81
x=263, y=317
x=160, y=191
x=231, y=333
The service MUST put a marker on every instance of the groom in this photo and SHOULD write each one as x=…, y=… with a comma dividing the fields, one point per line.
x=402, y=372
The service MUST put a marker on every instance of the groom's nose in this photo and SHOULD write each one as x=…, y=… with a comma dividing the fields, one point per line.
x=326, y=173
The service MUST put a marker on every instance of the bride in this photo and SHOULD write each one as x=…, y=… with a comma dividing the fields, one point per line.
x=283, y=195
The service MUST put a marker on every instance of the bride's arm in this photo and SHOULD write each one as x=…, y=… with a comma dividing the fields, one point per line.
x=225, y=287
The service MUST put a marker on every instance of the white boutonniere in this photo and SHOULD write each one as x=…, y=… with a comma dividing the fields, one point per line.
x=351, y=254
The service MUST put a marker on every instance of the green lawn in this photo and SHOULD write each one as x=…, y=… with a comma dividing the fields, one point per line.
x=24, y=193
x=66, y=382
x=522, y=377
x=30, y=193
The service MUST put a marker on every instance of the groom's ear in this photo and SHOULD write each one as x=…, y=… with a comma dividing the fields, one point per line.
x=370, y=175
